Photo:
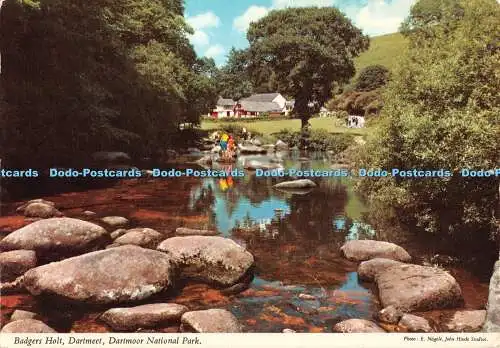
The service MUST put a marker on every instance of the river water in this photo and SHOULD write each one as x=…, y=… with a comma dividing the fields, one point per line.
x=294, y=237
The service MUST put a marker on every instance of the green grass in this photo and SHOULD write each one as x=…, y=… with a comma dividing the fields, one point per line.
x=385, y=50
x=268, y=127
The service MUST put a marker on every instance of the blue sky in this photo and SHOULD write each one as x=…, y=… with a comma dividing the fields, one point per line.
x=221, y=24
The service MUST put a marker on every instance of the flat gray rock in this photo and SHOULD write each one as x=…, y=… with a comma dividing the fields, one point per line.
x=56, y=235
x=210, y=321
x=23, y=206
x=466, y=321
x=207, y=258
x=41, y=210
x=413, y=323
x=368, y=270
x=115, y=221
x=19, y=314
x=363, y=250
x=27, y=326
x=296, y=184
x=412, y=288
x=145, y=316
x=357, y=326
x=143, y=237
x=122, y=274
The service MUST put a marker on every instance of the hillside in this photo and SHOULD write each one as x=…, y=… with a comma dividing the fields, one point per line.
x=384, y=50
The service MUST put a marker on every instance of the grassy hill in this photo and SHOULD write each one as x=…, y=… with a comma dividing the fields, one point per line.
x=384, y=50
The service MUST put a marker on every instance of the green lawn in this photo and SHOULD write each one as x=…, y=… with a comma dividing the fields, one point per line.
x=267, y=128
x=385, y=50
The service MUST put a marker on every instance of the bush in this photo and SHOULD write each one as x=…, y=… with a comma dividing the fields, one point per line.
x=358, y=103
x=315, y=140
x=443, y=113
x=372, y=77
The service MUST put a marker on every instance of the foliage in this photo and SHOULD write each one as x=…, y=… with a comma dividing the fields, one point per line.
x=372, y=77
x=442, y=111
x=315, y=140
x=358, y=103
x=304, y=53
x=233, y=80
x=100, y=75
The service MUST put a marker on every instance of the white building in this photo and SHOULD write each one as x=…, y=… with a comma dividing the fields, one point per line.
x=224, y=108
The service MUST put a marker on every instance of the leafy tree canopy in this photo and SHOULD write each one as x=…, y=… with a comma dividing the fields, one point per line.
x=372, y=77
x=303, y=52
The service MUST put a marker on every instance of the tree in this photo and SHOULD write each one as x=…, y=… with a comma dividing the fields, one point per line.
x=100, y=75
x=303, y=52
x=371, y=78
x=442, y=111
x=233, y=80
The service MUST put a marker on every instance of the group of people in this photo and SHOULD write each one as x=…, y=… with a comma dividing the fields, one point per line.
x=227, y=145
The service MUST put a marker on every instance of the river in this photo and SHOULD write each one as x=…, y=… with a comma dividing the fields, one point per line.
x=301, y=280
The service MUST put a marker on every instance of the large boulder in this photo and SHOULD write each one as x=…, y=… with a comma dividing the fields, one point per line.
x=15, y=263
x=27, y=326
x=281, y=146
x=296, y=184
x=41, y=210
x=368, y=270
x=362, y=250
x=56, y=236
x=418, y=288
x=465, y=321
x=145, y=316
x=357, y=326
x=210, y=321
x=413, y=323
x=492, y=323
x=184, y=231
x=208, y=258
x=115, y=221
x=143, y=237
x=122, y=274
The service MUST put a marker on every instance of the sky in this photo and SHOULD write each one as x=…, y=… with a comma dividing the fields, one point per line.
x=222, y=24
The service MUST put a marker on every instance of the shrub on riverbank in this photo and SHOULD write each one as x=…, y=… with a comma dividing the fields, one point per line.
x=315, y=140
x=442, y=112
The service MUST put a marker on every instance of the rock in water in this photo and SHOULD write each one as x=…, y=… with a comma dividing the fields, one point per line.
x=492, y=323
x=417, y=288
x=210, y=321
x=15, y=263
x=27, y=326
x=362, y=250
x=183, y=231
x=114, y=157
x=122, y=274
x=466, y=321
x=211, y=259
x=413, y=323
x=281, y=146
x=22, y=207
x=296, y=184
x=117, y=233
x=251, y=149
x=65, y=236
x=146, y=316
x=368, y=270
x=41, y=210
x=115, y=221
x=390, y=315
x=357, y=326
x=19, y=314
x=143, y=237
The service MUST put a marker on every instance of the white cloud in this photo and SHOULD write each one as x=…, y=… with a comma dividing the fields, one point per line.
x=215, y=51
x=302, y=3
x=252, y=14
x=199, y=38
x=204, y=20
x=381, y=16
